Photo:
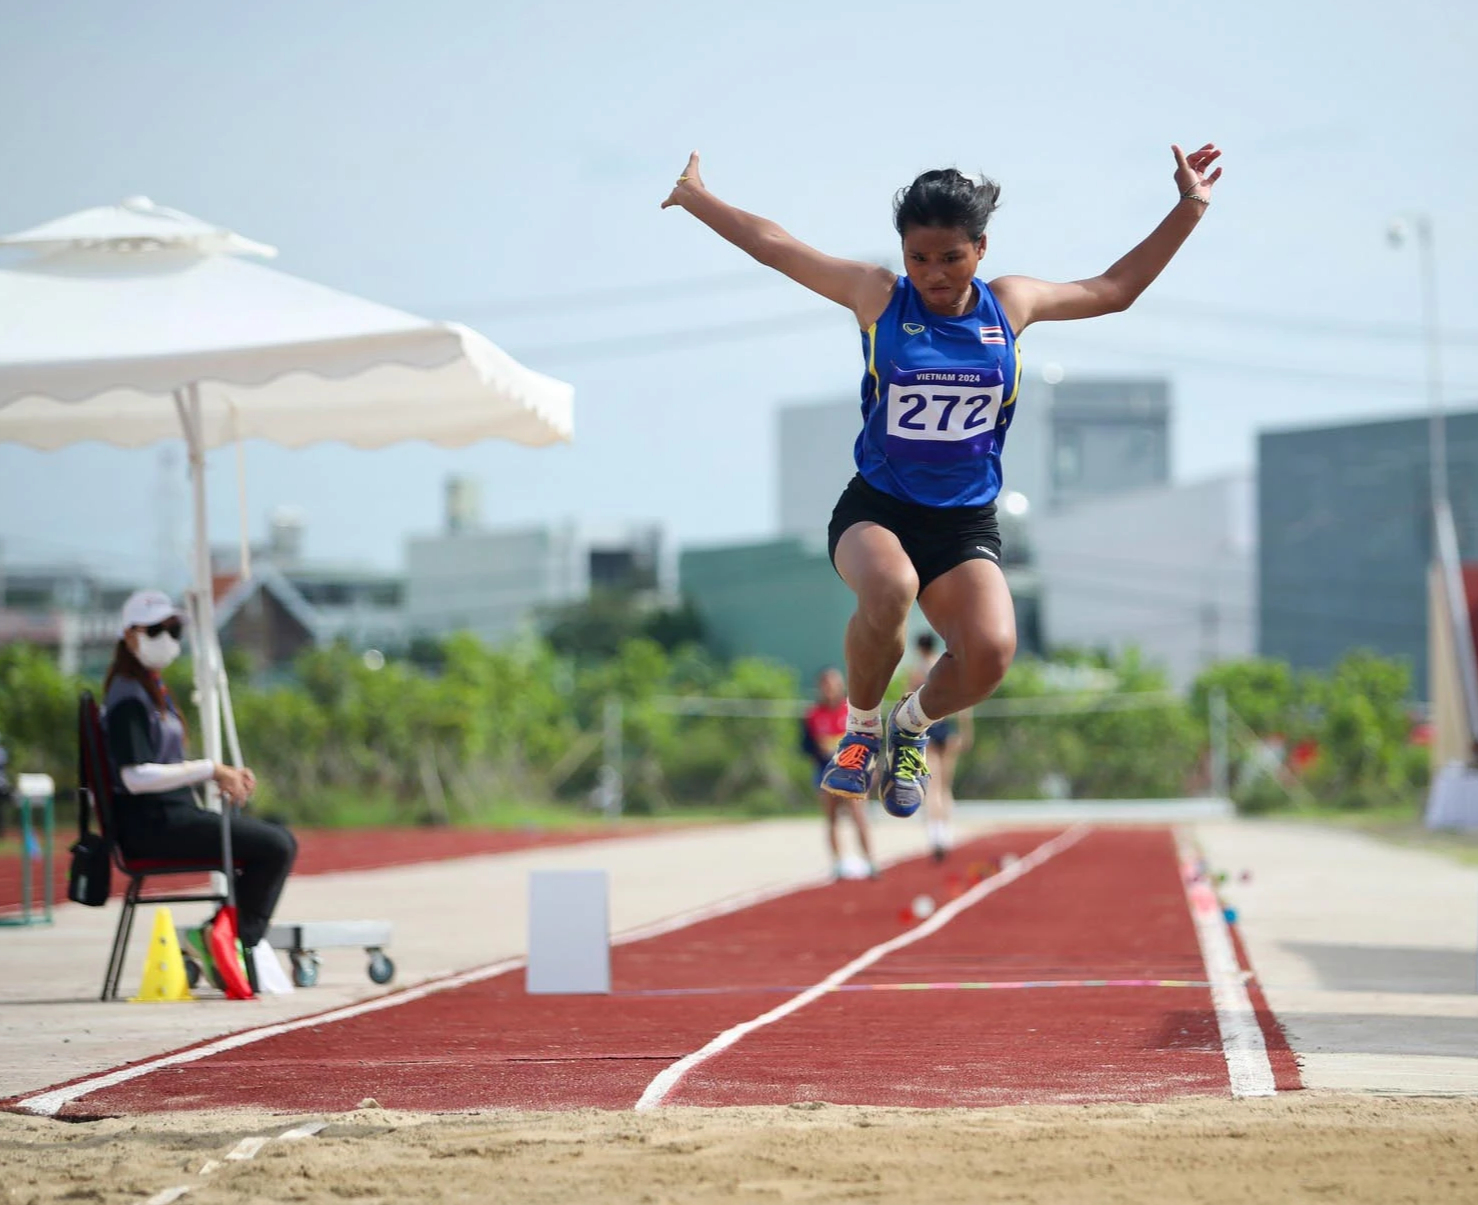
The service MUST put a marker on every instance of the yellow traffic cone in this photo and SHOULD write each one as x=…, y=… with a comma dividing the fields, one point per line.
x=164, y=966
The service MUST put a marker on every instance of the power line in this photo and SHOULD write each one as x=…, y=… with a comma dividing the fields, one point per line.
x=689, y=338
x=746, y=280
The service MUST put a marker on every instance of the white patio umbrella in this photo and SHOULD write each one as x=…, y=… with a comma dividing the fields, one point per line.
x=135, y=323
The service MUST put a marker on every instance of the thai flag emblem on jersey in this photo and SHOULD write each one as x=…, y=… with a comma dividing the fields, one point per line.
x=993, y=334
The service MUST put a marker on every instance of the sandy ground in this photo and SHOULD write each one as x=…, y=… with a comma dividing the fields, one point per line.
x=1302, y=1147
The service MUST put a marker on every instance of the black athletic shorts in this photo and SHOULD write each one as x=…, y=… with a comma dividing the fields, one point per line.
x=936, y=538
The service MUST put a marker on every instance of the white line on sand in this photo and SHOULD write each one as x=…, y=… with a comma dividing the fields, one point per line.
x=53, y=1100
x=1248, y=1066
x=247, y=1148
x=657, y=1090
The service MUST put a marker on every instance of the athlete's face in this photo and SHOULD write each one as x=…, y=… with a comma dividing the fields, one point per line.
x=941, y=263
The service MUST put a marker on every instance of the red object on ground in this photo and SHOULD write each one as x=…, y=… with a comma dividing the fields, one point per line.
x=225, y=952
x=328, y=851
x=914, y=1029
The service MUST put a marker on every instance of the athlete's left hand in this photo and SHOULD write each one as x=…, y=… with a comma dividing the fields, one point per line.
x=1190, y=171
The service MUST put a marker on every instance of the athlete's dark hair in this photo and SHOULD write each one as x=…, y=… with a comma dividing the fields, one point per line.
x=925, y=642
x=946, y=198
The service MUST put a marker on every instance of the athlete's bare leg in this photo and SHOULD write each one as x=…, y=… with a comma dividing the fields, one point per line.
x=970, y=607
x=859, y=818
x=872, y=562
x=940, y=798
x=830, y=806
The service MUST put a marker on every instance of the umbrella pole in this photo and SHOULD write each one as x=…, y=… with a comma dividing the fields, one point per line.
x=203, y=630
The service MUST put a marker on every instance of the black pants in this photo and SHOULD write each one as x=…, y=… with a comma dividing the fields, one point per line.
x=262, y=851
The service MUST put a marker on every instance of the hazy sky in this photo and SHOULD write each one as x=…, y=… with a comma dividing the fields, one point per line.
x=502, y=164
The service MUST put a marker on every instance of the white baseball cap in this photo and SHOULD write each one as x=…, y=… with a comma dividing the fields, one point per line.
x=147, y=607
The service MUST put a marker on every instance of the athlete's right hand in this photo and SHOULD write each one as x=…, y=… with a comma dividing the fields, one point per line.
x=689, y=184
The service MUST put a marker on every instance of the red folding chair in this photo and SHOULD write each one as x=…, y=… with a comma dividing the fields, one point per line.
x=95, y=790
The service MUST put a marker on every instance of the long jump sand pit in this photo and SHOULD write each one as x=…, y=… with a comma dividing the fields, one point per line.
x=1298, y=1147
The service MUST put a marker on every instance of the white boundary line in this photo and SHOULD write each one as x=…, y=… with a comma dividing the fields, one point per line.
x=247, y=1148
x=668, y=1079
x=1248, y=1065
x=53, y=1100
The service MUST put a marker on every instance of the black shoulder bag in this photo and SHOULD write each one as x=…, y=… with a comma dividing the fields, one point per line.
x=90, y=879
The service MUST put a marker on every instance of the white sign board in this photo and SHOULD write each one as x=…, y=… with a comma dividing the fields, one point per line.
x=569, y=932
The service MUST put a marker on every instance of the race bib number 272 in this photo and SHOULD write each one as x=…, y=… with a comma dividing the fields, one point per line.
x=945, y=405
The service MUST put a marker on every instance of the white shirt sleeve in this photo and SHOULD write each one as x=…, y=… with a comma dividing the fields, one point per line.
x=150, y=778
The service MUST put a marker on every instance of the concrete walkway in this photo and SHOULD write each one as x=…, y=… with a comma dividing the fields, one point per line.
x=1366, y=951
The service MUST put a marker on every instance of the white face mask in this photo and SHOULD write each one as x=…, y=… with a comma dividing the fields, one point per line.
x=158, y=652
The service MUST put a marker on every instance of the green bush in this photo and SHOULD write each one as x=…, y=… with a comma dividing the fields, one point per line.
x=464, y=731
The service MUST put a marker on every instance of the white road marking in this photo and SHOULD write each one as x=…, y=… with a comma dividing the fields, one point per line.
x=1248, y=1066
x=168, y=1195
x=665, y=1081
x=53, y=1100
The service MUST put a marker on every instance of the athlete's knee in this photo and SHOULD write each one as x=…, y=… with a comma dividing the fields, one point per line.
x=985, y=655
x=884, y=601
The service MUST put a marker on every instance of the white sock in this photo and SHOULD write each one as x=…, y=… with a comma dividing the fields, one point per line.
x=911, y=717
x=867, y=721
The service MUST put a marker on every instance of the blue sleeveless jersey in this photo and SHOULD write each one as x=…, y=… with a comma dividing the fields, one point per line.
x=937, y=397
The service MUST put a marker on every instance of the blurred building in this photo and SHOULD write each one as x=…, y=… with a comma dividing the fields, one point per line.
x=66, y=608
x=1106, y=436
x=1169, y=569
x=288, y=602
x=778, y=599
x=1345, y=537
x=493, y=581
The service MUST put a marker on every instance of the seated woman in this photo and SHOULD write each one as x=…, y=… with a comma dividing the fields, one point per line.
x=156, y=814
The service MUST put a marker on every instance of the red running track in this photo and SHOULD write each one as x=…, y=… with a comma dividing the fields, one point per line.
x=1111, y=907
x=329, y=851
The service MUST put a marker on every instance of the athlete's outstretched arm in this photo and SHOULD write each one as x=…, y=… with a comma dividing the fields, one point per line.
x=863, y=288
x=1026, y=300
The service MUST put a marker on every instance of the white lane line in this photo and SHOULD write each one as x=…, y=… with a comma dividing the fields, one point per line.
x=247, y=1148
x=53, y=1100
x=668, y=1079
x=1248, y=1066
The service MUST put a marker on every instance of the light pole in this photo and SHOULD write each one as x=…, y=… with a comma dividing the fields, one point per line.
x=1445, y=552
x=1420, y=225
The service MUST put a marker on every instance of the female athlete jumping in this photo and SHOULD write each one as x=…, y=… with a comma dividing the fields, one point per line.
x=918, y=521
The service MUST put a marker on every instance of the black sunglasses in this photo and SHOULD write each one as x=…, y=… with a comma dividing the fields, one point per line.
x=172, y=626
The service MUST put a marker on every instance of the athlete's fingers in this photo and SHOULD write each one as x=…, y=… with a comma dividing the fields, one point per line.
x=1179, y=157
x=1213, y=177
x=692, y=168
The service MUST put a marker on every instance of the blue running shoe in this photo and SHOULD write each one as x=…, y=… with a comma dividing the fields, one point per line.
x=849, y=772
x=905, y=771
